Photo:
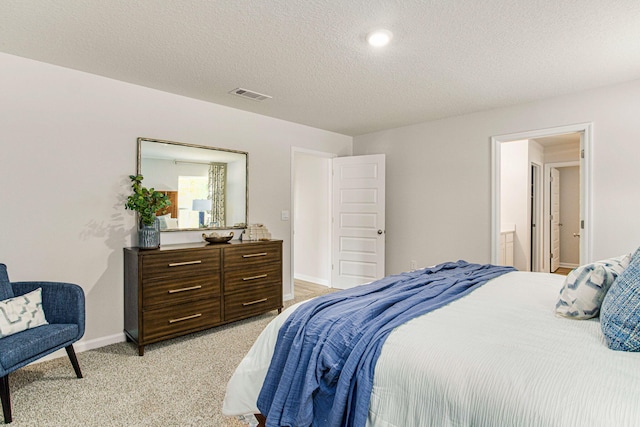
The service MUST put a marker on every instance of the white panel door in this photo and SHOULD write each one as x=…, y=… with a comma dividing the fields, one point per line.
x=555, y=219
x=358, y=230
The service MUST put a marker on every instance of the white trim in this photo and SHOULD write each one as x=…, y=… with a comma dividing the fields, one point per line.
x=82, y=346
x=311, y=279
x=586, y=142
x=568, y=265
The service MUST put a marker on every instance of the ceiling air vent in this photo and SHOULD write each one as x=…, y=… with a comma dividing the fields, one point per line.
x=249, y=94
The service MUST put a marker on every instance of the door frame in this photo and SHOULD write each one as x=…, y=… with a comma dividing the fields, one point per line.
x=586, y=142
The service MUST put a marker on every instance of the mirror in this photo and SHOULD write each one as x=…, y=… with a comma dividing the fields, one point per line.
x=207, y=186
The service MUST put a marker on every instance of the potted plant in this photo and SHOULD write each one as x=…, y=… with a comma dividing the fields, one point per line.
x=146, y=202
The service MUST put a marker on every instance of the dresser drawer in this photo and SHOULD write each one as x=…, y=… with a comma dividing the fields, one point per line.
x=243, y=256
x=179, y=264
x=174, y=320
x=168, y=290
x=247, y=279
x=252, y=302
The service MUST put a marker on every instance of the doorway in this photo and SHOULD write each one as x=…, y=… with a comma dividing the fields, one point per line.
x=537, y=148
x=311, y=217
x=535, y=216
x=562, y=208
x=337, y=232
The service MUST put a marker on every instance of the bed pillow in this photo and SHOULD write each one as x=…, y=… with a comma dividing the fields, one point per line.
x=620, y=317
x=20, y=313
x=585, y=287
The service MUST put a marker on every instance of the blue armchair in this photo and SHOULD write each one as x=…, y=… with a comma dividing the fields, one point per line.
x=63, y=306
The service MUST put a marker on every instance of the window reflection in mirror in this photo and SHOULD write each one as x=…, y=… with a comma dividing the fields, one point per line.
x=207, y=186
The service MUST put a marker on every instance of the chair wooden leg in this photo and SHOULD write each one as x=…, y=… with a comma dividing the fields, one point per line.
x=5, y=396
x=74, y=360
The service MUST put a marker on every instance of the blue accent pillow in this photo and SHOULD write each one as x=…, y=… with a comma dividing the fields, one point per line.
x=620, y=312
x=585, y=287
x=6, y=291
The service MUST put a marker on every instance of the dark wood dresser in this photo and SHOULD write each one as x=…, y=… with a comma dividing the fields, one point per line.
x=179, y=289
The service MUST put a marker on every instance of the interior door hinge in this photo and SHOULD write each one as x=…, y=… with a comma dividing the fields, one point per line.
x=582, y=153
x=582, y=224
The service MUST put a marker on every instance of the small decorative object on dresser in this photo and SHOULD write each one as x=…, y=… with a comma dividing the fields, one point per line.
x=180, y=289
x=217, y=238
x=146, y=202
x=256, y=232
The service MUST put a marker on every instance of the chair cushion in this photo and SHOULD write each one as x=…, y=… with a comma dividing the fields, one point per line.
x=34, y=343
x=6, y=291
x=20, y=313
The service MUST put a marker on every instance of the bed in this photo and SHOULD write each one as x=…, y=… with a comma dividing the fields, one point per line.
x=499, y=355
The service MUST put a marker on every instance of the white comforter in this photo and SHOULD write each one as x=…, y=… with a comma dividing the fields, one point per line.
x=497, y=357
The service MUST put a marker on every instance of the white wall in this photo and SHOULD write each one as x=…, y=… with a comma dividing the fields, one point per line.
x=68, y=145
x=514, y=179
x=562, y=153
x=312, y=225
x=439, y=175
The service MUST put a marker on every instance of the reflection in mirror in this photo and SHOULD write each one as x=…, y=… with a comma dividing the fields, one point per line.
x=207, y=186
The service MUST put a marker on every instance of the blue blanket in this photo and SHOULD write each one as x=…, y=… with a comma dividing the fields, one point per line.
x=321, y=373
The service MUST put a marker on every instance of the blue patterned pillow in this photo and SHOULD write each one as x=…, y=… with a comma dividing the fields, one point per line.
x=585, y=287
x=620, y=316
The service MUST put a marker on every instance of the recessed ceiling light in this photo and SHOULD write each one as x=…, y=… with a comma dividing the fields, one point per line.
x=379, y=38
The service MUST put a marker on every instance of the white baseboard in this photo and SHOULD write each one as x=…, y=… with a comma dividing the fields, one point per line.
x=81, y=346
x=316, y=280
x=568, y=265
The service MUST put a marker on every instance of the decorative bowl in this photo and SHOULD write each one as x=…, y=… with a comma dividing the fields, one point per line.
x=216, y=238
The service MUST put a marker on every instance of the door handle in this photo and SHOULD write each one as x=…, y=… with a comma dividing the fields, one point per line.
x=380, y=231
x=576, y=234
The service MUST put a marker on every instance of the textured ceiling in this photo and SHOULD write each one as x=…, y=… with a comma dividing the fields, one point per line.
x=447, y=57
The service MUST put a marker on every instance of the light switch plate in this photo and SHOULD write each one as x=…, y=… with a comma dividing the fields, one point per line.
x=284, y=215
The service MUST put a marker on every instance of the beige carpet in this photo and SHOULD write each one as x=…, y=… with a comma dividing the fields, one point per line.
x=180, y=382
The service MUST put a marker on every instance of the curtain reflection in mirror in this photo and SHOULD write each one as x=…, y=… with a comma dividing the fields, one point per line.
x=217, y=193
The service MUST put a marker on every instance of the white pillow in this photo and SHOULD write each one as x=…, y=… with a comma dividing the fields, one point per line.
x=586, y=286
x=20, y=313
x=171, y=223
x=162, y=221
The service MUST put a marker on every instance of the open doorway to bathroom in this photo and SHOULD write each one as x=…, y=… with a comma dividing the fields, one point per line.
x=541, y=223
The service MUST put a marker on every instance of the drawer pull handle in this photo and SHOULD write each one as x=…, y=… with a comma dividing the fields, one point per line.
x=178, y=264
x=261, y=276
x=180, y=319
x=258, y=301
x=252, y=255
x=191, y=288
